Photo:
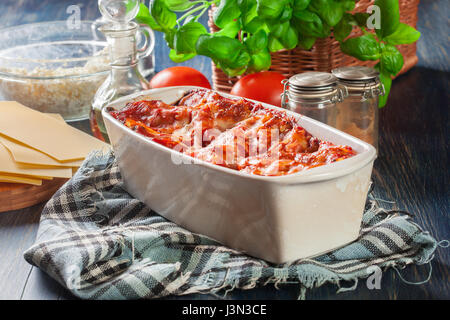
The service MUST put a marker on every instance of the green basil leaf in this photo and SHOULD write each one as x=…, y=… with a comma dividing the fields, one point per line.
x=361, y=18
x=390, y=17
x=363, y=48
x=310, y=24
x=143, y=16
x=290, y=38
x=272, y=24
x=404, y=34
x=220, y=48
x=275, y=44
x=231, y=29
x=306, y=16
x=386, y=80
x=279, y=29
x=391, y=60
x=227, y=11
x=180, y=57
x=246, y=5
x=300, y=5
x=238, y=67
x=232, y=72
x=348, y=5
x=330, y=11
x=306, y=42
x=257, y=24
x=178, y=5
x=286, y=15
x=343, y=29
x=257, y=42
x=260, y=61
x=248, y=10
x=165, y=18
x=186, y=37
x=270, y=9
x=242, y=60
x=169, y=36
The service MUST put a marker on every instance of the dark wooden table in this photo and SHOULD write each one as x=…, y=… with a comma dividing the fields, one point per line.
x=411, y=169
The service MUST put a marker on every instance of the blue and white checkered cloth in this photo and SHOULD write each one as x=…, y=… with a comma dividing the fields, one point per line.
x=101, y=243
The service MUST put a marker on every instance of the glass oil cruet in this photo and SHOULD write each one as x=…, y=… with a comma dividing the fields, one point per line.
x=124, y=77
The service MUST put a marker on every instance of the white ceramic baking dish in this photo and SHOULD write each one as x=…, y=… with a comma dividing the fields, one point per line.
x=278, y=219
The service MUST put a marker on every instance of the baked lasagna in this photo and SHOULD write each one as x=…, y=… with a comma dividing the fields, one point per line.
x=234, y=133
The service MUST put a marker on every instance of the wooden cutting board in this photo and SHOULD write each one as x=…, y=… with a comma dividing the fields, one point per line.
x=14, y=196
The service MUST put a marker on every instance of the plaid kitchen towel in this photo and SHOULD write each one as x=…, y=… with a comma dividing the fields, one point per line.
x=101, y=243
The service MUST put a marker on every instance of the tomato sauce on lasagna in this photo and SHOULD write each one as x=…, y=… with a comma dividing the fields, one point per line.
x=234, y=133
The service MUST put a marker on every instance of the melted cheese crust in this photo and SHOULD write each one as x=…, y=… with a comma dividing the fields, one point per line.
x=234, y=133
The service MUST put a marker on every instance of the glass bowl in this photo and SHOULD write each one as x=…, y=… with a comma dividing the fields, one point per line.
x=53, y=66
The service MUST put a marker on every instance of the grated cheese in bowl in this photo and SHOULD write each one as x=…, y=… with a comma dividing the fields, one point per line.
x=53, y=68
x=68, y=91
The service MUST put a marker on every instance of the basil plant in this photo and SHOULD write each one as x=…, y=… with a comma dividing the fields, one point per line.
x=251, y=29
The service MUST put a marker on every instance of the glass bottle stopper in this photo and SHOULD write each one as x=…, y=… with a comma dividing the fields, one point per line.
x=120, y=12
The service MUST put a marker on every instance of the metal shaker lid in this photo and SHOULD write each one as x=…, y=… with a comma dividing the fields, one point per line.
x=360, y=80
x=312, y=79
x=355, y=73
x=314, y=87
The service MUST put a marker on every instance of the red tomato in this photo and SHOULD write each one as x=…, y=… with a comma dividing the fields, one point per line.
x=262, y=86
x=179, y=76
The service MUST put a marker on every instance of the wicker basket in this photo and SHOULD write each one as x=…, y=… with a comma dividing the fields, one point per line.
x=325, y=55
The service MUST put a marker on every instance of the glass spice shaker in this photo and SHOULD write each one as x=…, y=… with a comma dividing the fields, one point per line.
x=125, y=77
x=313, y=94
x=358, y=113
